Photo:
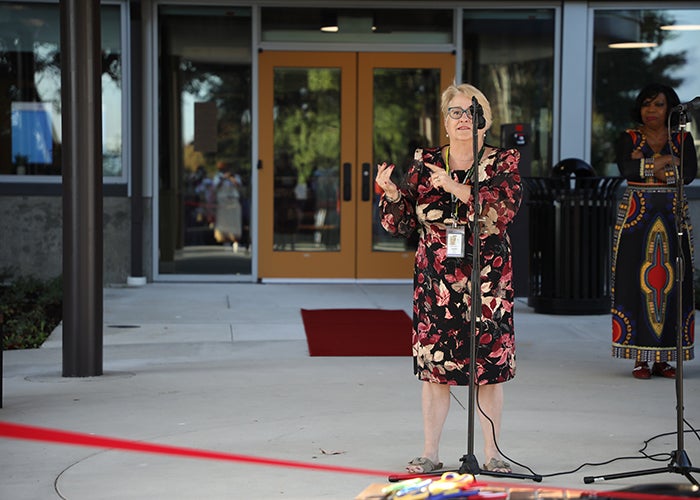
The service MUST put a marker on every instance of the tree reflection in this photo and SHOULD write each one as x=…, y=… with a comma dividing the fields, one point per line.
x=619, y=74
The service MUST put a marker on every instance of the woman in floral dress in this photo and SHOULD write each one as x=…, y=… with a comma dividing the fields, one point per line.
x=435, y=200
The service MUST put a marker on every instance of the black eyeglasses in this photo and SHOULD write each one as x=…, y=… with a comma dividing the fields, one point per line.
x=456, y=112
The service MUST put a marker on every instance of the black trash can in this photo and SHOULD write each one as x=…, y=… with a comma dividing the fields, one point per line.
x=571, y=219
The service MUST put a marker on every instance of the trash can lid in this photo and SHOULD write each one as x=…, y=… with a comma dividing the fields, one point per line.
x=575, y=166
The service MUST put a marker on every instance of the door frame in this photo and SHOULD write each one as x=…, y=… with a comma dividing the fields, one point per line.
x=309, y=264
x=356, y=259
x=372, y=264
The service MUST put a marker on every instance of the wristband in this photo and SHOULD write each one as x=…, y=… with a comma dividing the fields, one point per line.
x=392, y=200
x=648, y=168
x=670, y=174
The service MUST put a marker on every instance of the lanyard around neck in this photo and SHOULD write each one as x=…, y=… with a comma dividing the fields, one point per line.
x=455, y=200
x=469, y=171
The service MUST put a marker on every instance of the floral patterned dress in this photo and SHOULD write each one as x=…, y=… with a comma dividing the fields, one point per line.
x=442, y=285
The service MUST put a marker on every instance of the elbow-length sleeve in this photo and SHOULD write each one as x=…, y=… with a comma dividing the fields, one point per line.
x=628, y=166
x=500, y=193
x=398, y=217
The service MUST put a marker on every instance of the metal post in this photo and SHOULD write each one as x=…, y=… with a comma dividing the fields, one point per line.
x=81, y=120
x=136, y=141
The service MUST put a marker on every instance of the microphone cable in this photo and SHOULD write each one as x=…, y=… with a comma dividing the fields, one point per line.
x=659, y=457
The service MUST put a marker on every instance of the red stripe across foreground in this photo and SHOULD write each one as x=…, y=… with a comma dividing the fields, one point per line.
x=32, y=433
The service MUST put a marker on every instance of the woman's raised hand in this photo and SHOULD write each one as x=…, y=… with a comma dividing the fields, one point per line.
x=440, y=178
x=384, y=181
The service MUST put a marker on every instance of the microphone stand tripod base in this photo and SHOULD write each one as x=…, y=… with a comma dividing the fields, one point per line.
x=679, y=464
x=470, y=465
x=680, y=460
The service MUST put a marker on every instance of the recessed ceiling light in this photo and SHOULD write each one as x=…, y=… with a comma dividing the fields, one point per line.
x=632, y=45
x=681, y=27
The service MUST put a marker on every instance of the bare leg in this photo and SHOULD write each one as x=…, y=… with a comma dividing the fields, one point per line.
x=435, y=401
x=491, y=403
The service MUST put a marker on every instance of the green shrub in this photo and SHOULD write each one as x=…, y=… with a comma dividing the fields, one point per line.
x=31, y=309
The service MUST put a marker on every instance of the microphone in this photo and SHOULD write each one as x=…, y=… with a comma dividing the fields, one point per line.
x=476, y=109
x=690, y=105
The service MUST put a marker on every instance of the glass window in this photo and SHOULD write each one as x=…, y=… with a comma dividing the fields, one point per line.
x=307, y=158
x=112, y=120
x=509, y=56
x=386, y=26
x=631, y=49
x=30, y=106
x=406, y=103
x=205, y=143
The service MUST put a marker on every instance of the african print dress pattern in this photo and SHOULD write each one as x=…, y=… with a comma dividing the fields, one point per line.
x=442, y=285
x=644, y=288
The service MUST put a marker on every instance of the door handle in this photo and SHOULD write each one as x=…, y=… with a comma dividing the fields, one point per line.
x=347, y=182
x=366, y=181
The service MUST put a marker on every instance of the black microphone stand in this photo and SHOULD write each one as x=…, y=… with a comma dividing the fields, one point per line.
x=680, y=463
x=470, y=464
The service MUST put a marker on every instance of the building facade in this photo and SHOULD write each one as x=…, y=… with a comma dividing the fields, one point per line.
x=240, y=139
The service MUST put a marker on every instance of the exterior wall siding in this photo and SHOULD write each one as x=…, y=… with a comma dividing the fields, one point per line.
x=36, y=245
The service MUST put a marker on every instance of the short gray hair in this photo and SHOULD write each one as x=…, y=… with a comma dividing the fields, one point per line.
x=469, y=91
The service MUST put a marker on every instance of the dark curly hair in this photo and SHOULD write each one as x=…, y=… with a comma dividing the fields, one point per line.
x=651, y=91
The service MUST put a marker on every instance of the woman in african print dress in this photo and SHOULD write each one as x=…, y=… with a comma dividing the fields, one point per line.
x=645, y=245
x=437, y=197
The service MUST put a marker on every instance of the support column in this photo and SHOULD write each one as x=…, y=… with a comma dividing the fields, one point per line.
x=81, y=122
x=136, y=278
x=575, y=89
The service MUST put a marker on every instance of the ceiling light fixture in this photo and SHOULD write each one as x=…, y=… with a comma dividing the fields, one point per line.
x=633, y=45
x=329, y=22
x=681, y=27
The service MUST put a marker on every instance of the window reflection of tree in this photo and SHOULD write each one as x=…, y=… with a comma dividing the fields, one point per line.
x=307, y=136
x=406, y=116
x=620, y=73
x=510, y=57
x=29, y=65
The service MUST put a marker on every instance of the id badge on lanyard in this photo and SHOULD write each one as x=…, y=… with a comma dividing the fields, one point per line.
x=455, y=241
x=456, y=235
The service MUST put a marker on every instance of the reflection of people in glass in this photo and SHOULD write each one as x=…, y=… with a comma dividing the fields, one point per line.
x=438, y=192
x=229, y=217
x=326, y=207
x=199, y=213
x=644, y=310
x=287, y=210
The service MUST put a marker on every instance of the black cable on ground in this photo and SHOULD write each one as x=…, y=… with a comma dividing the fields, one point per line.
x=660, y=457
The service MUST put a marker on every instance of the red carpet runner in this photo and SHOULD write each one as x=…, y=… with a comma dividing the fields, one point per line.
x=357, y=332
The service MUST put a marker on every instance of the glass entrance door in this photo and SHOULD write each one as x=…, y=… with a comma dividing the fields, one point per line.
x=204, y=143
x=398, y=111
x=326, y=120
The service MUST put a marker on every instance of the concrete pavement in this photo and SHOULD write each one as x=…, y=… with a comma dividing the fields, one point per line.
x=225, y=368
